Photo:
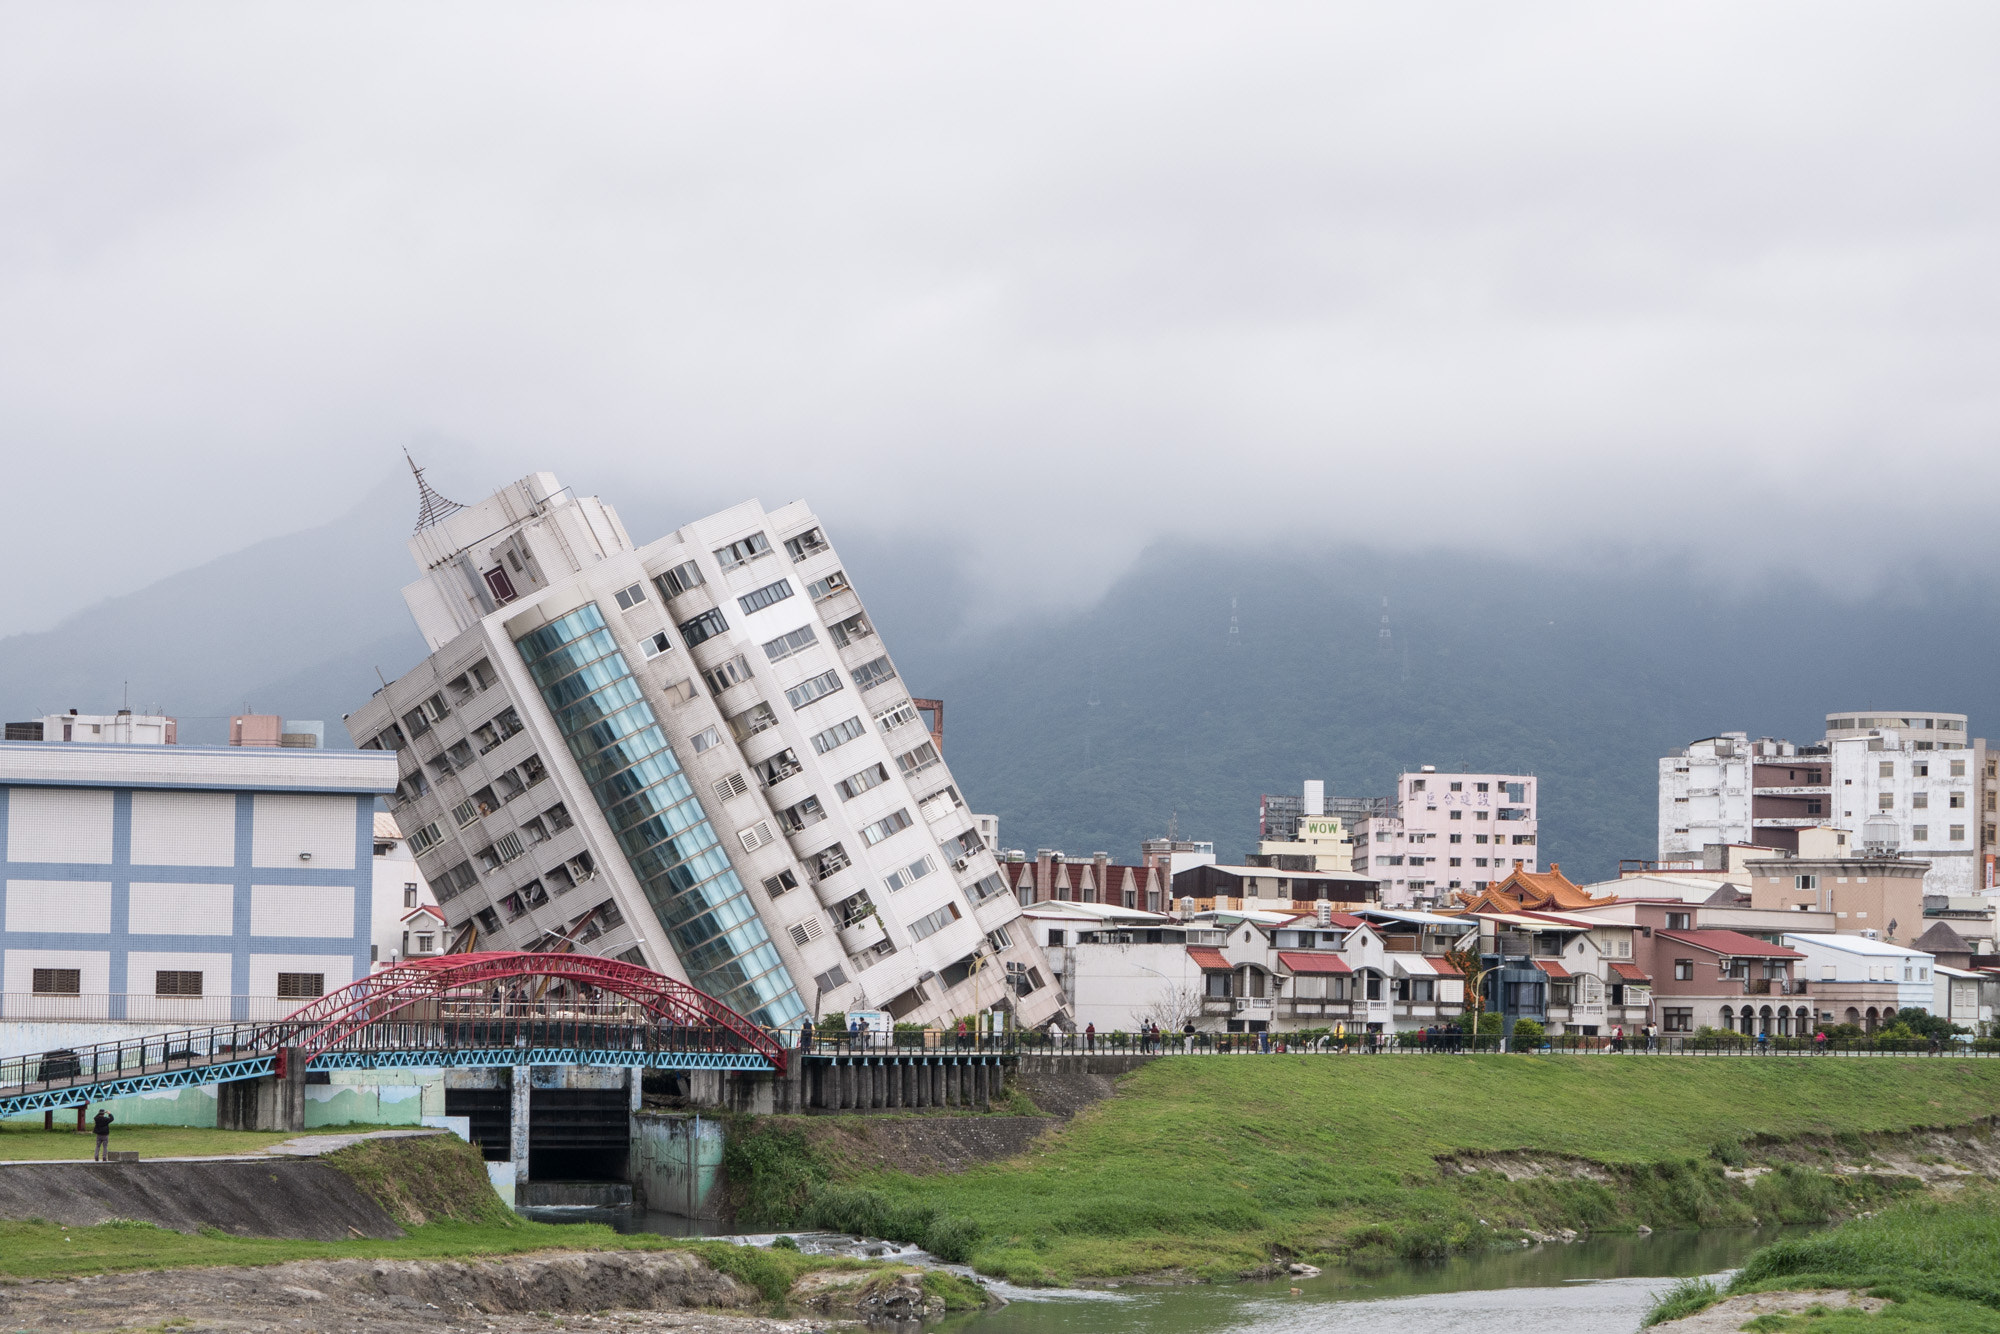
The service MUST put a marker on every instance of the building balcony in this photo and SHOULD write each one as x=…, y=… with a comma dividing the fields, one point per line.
x=1787, y=821
x=1774, y=986
x=1794, y=790
x=1253, y=1005
x=863, y=934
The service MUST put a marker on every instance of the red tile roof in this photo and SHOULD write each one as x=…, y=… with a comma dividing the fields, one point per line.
x=1209, y=959
x=1733, y=943
x=1631, y=972
x=1445, y=967
x=1552, y=968
x=1308, y=963
x=1346, y=921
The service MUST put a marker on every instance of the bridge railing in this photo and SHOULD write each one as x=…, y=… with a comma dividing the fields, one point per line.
x=66, y=1067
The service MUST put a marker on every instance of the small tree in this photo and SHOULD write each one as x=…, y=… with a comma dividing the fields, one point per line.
x=1527, y=1031
x=1922, y=1023
x=1174, y=1009
x=1489, y=1025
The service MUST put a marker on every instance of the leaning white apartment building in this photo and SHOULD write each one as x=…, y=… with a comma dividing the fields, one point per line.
x=696, y=755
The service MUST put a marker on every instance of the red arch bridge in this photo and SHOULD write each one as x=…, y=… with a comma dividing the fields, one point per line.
x=457, y=1011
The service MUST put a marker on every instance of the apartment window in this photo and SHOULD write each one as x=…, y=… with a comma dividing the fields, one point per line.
x=1814, y=806
x=818, y=687
x=1957, y=833
x=802, y=814
x=176, y=983
x=752, y=720
x=837, y=735
x=700, y=629
x=1920, y=833
x=1479, y=838
x=1479, y=815
x=304, y=986
x=629, y=598
x=654, y=645
x=785, y=645
x=964, y=845
x=883, y=828
x=1417, y=785
x=724, y=675
x=805, y=544
x=389, y=738
x=1805, y=882
x=1920, y=801
x=1458, y=787
x=409, y=896
x=489, y=921
x=781, y=883
x=768, y=596
x=831, y=978
x=500, y=585
x=1520, y=839
x=1886, y=802
x=1455, y=861
x=1458, y=815
x=846, y=632
x=909, y=875
x=854, y=785
x=425, y=839
x=873, y=673
x=1677, y=1019
x=1920, y=769
x=918, y=760
x=1683, y=970
x=1886, y=769
x=1455, y=838
x=1680, y=921
x=819, y=590
x=1511, y=813
x=1957, y=801
x=896, y=715
x=705, y=739
x=1958, y=768
x=829, y=861
x=57, y=981
x=680, y=579
x=987, y=887
x=932, y=923
x=778, y=768
x=743, y=551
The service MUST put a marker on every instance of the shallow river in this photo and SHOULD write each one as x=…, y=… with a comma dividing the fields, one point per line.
x=1598, y=1286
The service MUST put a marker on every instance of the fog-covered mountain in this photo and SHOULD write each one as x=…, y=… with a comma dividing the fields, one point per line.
x=1089, y=730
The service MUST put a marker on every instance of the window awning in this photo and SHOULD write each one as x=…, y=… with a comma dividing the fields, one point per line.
x=1313, y=963
x=1209, y=959
x=1631, y=972
x=1553, y=969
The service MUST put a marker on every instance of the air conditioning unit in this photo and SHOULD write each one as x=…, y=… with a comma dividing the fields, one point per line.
x=961, y=863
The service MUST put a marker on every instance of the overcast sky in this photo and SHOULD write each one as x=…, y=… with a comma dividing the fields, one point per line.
x=1043, y=280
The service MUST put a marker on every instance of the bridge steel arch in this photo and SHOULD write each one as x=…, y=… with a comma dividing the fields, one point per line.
x=342, y=1017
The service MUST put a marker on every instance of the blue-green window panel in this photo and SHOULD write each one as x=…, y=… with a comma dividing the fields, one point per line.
x=697, y=922
x=679, y=909
x=625, y=754
x=593, y=647
x=787, y=1012
x=679, y=845
x=561, y=694
x=718, y=923
x=685, y=876
x=539, y=644
x=611, y=731
x=676, y=811
x=766, y=989
x=599, y=704
x=731, y=944
x=657, y=769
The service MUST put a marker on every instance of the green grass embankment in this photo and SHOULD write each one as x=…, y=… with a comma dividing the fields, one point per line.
x=22, y=1141
x=1216, y=1165
x=436, y=1188
x=1937, y=1261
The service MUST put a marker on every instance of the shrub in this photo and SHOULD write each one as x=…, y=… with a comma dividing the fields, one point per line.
x=1719, y=1037
x=1685, y=1298
x=1489, y=1025
x=1528, y=1031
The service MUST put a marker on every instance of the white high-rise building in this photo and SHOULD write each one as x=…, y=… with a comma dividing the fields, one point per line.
x=123, y=728
x=1919, y=774
x=1448, y=833
x=696, y=754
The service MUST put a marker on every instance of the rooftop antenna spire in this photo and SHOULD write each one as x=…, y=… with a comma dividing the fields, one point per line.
x=432, y=508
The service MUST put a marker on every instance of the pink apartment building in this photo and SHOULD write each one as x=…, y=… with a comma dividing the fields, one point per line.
x=1448, y=832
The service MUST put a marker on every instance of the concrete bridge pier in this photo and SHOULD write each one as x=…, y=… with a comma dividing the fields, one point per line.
x=521, y=1091
x=270, y=1102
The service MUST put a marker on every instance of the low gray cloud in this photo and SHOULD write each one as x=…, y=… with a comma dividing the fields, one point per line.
x=1044, y=280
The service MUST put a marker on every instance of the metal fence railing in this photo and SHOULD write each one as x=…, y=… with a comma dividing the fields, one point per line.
x=1400, y=1043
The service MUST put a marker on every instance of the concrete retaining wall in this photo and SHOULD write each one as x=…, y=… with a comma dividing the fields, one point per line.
x=677, y=1164
x=276, y=1198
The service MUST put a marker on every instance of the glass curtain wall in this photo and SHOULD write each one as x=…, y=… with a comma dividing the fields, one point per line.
x=665, y=835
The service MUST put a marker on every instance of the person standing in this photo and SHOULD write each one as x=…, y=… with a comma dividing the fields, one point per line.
x=101, y=1123
x=1090, y=1036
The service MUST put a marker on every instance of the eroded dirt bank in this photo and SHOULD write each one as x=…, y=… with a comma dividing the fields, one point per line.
x=635, y=1290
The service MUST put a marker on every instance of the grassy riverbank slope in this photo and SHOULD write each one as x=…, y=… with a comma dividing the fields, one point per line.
x=1215, y=1164
x=1936, y=1260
